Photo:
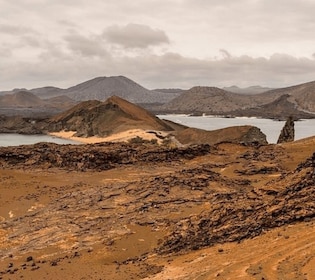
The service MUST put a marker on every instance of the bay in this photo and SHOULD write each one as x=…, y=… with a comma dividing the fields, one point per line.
x=271, y=128
x=13, y=139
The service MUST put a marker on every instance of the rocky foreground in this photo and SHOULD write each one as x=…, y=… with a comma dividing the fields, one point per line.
x=148, y=211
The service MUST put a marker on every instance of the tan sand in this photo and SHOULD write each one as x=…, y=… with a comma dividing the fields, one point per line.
x=118, y=137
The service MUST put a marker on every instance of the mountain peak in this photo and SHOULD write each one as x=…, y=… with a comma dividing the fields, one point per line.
x=96, y=118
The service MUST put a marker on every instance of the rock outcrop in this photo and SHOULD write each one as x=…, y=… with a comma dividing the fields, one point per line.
x=240, y=215
x=103, y=156
x=287, y=132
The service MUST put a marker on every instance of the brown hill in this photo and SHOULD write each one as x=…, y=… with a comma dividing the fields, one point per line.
x=20, y=99
x=27, y=104
x=96, y=118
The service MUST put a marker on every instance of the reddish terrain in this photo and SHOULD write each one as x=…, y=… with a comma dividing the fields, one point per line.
x=143, y=211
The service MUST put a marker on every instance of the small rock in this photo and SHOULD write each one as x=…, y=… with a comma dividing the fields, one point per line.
x=53, y=263
x=10, y=265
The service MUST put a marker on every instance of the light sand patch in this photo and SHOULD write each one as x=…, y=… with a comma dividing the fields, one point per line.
x=118, y=137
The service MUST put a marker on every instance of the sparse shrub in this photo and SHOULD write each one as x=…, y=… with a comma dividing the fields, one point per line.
x=136, y=140
x=154, y=141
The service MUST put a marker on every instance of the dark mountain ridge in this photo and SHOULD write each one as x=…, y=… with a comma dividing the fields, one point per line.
x=101, y=88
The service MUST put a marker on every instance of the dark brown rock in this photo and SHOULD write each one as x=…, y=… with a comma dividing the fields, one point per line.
x=287, y=132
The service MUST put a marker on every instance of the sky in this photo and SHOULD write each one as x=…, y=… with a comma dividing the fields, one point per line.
x=157, y=43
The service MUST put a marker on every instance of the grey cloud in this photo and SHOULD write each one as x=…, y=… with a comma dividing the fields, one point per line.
x=5, y=52
x=168, y=70
x=135, y=36
x=85, y=46
x=15, y=29
x=173, y=70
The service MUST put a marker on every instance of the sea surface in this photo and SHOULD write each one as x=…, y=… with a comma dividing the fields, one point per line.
x=12, y=139
x=271, y=128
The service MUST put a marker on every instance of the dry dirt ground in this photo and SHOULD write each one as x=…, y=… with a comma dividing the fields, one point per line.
x=232, y=212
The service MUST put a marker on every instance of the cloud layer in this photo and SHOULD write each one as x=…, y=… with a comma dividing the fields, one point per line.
x=135, y=36
x=177, y=43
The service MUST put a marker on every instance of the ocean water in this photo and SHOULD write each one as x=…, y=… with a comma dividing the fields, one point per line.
x=271, y=128
x=12, y=139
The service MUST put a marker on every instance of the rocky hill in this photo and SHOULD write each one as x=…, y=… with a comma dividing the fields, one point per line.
x=101, y=88
x=20, y=99
x=27, y=104
x=303, y=95
x=96, y=118
x=298, y=100
x=281, y=108
x=208, y=100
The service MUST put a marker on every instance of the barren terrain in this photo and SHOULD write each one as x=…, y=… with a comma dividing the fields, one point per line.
x=142, y=211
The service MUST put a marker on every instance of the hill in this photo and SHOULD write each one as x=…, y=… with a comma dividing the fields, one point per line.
x=96, y=118
x=303, y=95
x=247, y=90
x=208, y=100
x=237, y=134
x=20, y=99
x=101, y=88
x=299, y=99
x=281, y=108
x=27, y=104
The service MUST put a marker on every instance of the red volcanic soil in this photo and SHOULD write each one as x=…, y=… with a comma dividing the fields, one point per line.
x=142, y=211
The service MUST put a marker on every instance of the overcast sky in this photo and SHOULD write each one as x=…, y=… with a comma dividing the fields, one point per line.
x=157, y=43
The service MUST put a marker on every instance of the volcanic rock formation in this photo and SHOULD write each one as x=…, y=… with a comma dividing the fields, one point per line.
x=96, y=118
x=287, y=132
